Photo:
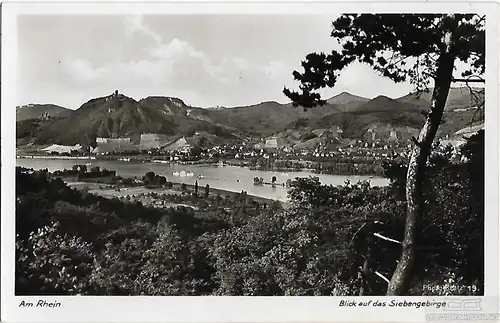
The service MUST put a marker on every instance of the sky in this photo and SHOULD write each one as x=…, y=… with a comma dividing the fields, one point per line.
x=218, y=60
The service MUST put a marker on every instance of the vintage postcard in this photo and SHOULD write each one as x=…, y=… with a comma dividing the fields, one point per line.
x=250, y=162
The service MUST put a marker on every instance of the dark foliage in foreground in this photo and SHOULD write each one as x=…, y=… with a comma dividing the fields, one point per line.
x=69, y=242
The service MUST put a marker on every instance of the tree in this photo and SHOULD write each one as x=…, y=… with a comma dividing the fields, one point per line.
x=162, y=180
x=128, y=181
x=207, y=190
x=203, y=142
x=407, y=47
x=196, y=188
x=54, y=263
x=149, y=177
x=195, y=152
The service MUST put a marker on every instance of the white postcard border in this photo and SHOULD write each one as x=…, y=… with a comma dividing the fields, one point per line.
x=231, y=309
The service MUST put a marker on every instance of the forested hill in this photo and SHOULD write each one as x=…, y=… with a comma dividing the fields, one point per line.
x=36, y=111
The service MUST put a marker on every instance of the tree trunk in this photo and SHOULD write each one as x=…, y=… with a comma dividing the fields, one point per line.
x=416, y=172
x=364, y=273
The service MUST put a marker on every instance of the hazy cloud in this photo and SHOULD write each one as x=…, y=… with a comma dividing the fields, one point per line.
x=203, y=60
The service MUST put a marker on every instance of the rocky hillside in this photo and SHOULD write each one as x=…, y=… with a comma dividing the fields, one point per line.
x=458, y=98
x=187, y=119
x=357, y=120
x=347, y=101
x=121, y=116
x=36, y=111
x=386, y=119
x=103, y=117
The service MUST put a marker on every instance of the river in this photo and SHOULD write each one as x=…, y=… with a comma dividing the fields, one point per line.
x=229, y=178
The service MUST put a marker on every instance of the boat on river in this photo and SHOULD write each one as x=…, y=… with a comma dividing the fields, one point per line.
x=183, y=173
x=258, y=181
x=158, y=161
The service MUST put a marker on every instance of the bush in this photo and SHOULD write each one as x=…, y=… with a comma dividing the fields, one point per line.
x=308, y=136
x=128, y=181
x=50, y=263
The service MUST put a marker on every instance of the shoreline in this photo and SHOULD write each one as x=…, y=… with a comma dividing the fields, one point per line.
x=213, y=164
x=55, y=157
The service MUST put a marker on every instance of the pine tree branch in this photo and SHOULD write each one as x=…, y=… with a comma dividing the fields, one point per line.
x=475, y=100
x=356, y=233
x=481, y=19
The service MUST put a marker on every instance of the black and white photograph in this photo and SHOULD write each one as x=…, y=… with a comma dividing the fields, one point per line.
x=214, y=154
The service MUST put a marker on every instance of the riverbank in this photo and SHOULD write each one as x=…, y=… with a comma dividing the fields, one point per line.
x=55, y=157
x=227, y=178
x=131, y=159
x=208, y=163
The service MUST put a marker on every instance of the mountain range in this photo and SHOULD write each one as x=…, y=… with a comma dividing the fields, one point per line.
x=117, y=115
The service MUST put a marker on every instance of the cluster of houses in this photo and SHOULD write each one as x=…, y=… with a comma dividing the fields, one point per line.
x=325, y=144
x=331, y=139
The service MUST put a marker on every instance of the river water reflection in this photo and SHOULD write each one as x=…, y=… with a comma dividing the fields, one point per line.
x=230, y=178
